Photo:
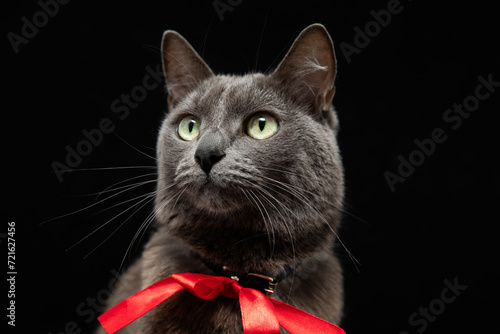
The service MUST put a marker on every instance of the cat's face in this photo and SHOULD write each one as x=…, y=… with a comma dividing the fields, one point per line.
x=250, y=153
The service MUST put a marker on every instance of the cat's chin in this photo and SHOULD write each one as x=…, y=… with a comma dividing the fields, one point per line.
x=213, y=199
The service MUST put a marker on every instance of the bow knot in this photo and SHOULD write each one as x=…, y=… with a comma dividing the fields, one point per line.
x=260, y=314
x=208, y=287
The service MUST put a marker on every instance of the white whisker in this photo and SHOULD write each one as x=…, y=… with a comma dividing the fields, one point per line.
x=273, y=235
x=95, y=203
x=112, y=187
x=152, y=193
x=252, y=197
x=148, y=220
x=106, y=168
x=106, y=223
x=134, y=148
x=296, y=193
x=285, y=223
x=116, y=229
x=283, y=170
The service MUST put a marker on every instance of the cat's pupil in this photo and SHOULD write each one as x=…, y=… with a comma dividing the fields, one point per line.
x=191, y=125
x=262, y=124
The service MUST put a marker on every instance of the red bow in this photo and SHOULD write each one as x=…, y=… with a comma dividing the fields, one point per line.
x=260, y=314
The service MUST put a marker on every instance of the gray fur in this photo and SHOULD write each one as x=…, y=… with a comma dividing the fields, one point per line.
x=266, y=204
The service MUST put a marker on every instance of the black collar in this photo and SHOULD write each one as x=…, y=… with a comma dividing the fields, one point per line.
x=260, y=282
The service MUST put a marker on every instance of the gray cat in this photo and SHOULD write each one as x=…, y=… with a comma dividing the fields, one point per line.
x=250, y=180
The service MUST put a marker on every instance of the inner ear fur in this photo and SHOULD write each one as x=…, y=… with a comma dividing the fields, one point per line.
x=183, y=68
x=308, y=69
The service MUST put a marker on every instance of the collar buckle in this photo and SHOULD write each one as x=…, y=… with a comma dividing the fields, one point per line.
x=272, y=282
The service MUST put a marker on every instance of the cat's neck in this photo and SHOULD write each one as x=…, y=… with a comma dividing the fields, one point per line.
x=236, y=244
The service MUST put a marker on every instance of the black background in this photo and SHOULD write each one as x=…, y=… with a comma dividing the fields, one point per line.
x=439, y=224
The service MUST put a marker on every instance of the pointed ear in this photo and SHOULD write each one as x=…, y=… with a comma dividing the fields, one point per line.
x=308, y=70
x=183, y=68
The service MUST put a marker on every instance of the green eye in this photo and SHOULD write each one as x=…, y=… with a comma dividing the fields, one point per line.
x=189, y=128
x=262, y=126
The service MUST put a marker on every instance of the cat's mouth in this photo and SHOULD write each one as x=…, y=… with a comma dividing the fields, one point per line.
x=216, y=199
x=213, y=192
x=226, y=187
x=209, y=182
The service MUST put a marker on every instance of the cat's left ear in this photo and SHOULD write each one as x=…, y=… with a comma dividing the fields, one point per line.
x=183, y=68
x=308, y=69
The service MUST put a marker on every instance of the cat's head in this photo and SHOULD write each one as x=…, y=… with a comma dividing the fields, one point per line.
x=250, y=161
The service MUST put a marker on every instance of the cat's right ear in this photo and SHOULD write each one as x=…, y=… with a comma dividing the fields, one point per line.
x=308, y=70
x=183, y=68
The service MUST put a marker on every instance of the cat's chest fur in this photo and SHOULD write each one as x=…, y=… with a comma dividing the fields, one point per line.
x=317, y=291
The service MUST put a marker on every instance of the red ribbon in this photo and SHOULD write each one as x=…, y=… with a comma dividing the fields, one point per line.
x=260, y=314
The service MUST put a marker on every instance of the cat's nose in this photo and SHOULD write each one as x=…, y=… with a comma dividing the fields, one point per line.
x=209, y=152
x=207, y=157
